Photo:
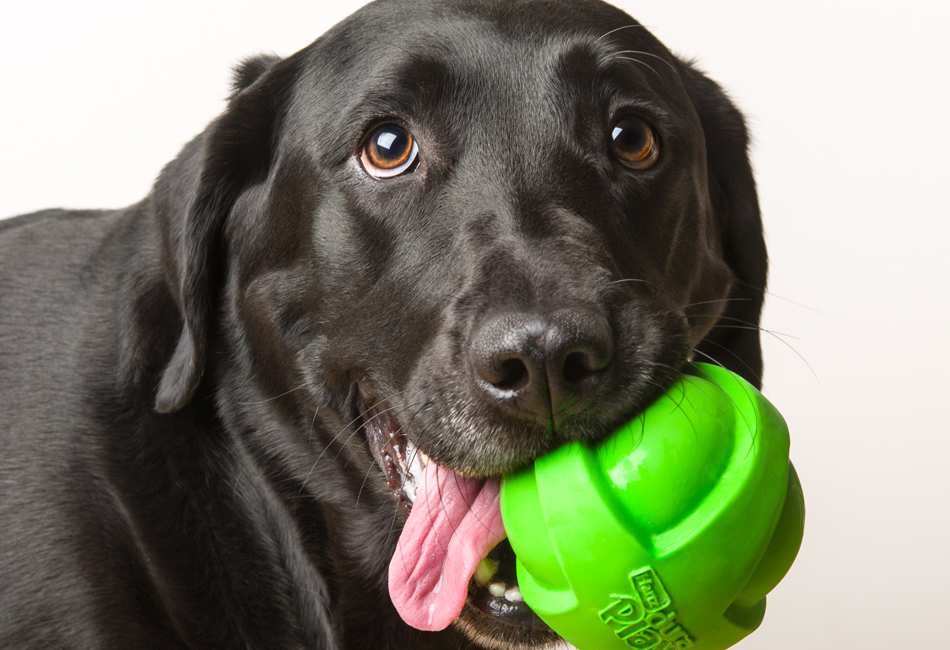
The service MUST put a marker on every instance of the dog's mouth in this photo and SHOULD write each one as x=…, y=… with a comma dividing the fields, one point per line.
x=402, y=463
x=453, y=562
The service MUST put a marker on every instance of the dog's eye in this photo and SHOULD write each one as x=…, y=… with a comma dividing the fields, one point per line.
x=634, y=143
x=389, y=151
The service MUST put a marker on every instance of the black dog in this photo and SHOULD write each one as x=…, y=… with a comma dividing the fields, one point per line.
x=461, y=230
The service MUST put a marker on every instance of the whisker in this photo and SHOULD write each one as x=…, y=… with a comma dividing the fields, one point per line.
x=679, y=407
x=775, y=295
x=391, y=436
x=357, y=430
x=617, y=29
x=731, y=399
x=632, y=280
x=271, y=399
x=316, y=412
x=368, y=409
x=745, y=323
x=664, y=365
x=778, y=337
x=710, y=358
x=359, y=417
x=340, y=432
x=713, y=302
x=392, y=527
x=757, y=376
x=643, y=63
x=675, y=71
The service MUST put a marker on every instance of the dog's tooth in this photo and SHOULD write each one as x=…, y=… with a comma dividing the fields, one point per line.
x=423, y=458
x=410, y=477
x=485, y=571
x=513, y=594
x=497, y=589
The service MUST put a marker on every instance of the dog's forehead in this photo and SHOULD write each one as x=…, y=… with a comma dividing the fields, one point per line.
x=405, y=56
x=394, y=17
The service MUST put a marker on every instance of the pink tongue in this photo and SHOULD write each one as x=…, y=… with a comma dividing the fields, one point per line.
x=455, y=521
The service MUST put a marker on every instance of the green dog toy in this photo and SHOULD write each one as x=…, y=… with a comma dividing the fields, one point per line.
x=671, y=532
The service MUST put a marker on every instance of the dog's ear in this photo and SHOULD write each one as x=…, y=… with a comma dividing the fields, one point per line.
x=192, y=199
x=249, y=70
x=734, y=341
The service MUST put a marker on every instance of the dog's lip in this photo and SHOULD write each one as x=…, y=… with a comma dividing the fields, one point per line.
x=402, y=463
x=400, y=460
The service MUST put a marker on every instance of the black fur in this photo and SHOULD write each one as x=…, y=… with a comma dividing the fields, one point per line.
x=181, y=466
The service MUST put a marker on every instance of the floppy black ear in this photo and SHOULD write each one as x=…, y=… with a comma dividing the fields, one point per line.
x=193, y=197
x=735, y=341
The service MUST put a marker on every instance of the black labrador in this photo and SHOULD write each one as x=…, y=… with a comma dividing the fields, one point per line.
x=445, y=238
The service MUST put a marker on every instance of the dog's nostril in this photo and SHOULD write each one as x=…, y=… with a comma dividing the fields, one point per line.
x=545, y=366
x=514, y=375
x=577, y=368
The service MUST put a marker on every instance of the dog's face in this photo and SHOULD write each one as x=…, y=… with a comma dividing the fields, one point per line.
x=475, y=230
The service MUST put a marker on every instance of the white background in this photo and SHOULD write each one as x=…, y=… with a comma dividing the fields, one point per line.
x=849, y=103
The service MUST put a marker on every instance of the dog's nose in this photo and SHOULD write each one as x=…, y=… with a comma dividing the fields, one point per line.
x=543, y=366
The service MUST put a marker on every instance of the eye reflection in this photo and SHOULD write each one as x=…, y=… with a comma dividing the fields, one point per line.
x=634, y=143
x=389, y=151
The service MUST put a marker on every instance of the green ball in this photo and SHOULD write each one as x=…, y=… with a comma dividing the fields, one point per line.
x=670, y=533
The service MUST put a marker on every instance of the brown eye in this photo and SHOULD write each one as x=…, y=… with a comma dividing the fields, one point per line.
x=634, y=143
x=389, y=151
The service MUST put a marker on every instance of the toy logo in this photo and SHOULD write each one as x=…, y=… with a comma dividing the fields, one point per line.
x=639, y=619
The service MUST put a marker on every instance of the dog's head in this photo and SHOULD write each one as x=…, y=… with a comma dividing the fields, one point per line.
x=471, y=229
